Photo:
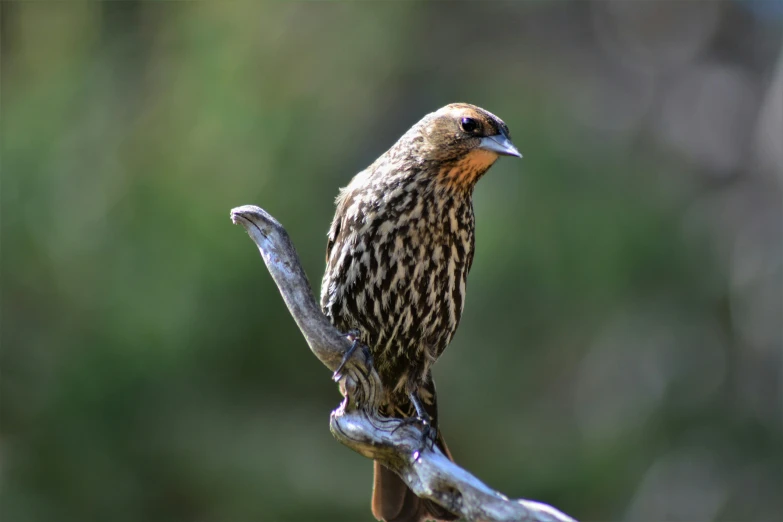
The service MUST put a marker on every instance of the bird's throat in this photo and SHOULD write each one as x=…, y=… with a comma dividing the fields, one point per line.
x=466, y=171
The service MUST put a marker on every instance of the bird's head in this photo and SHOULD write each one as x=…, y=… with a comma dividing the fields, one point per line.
x=459, y=129
x=465, y=139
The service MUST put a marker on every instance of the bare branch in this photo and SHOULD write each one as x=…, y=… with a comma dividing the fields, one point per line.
x=360, y=383
x=356, y=423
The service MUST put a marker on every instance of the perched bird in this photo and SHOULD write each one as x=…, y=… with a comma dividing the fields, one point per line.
x=398, y=254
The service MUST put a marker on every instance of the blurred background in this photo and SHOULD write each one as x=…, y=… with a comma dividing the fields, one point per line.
x=621, y=351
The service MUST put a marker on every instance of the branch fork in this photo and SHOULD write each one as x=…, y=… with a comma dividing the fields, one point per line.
x=356, y=423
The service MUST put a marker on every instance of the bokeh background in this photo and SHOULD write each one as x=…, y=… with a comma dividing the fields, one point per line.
x=621, y=352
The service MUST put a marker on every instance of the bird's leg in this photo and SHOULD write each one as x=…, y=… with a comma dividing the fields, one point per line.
x=353, y=336
x=429, y=433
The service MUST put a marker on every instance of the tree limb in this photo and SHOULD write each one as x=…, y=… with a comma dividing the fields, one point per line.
x=356, y=422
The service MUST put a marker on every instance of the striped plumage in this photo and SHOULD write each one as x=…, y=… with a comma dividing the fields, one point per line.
x=398, y=255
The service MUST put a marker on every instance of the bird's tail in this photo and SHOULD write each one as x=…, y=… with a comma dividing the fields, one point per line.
x=392, y=500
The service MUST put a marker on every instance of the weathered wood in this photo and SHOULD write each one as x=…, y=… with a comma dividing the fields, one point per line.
x=356, y=422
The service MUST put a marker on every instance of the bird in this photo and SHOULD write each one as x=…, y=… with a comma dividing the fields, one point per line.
x=398, y=254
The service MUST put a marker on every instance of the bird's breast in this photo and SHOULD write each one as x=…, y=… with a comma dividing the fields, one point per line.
x=398, y=271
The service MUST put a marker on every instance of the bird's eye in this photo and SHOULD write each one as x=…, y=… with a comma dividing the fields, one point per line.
x=469, y=125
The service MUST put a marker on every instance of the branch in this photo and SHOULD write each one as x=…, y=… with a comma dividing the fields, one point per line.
x=356, y=423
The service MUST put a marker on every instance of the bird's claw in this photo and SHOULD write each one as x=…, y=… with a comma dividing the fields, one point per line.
x=353, y=336
x=429, y=433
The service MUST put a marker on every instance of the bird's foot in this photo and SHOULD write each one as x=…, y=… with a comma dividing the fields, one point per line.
x=354, y=337
x=429, y=433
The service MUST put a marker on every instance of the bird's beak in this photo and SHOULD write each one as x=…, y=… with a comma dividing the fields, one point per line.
x=499, y=144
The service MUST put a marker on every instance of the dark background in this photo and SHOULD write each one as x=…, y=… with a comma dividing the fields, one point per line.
x=621, y=352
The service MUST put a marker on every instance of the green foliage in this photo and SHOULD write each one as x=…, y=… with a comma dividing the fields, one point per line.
x=150, y=369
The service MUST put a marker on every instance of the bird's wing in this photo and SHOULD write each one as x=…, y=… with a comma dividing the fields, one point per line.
x=334, y=233
x=344, y=200
x=337, y=222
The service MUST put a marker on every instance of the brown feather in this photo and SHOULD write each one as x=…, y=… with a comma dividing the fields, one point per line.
x=397, y=259
x=392, y=500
